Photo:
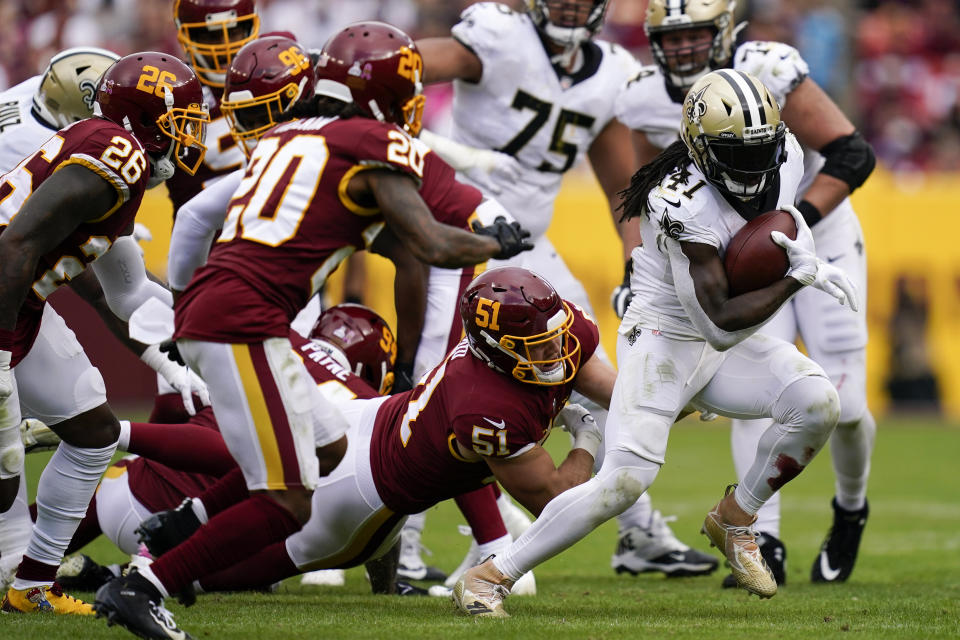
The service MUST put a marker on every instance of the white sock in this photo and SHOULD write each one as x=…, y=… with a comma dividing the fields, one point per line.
x=416, y=521
x=123, y=442
x=497, y=547
x=63, y=494
x=16, y=525
x=573, y=514
x=850, y=448
x=640, y=514
x=744, y=438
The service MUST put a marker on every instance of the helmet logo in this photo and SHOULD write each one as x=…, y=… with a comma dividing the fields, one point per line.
x=88, y=89
x=154, y=81
x=365, y=72
x=696, y=108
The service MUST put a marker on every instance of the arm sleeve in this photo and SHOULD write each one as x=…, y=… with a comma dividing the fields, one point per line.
x=197, y=223
x=683, y=284
x=123, y=276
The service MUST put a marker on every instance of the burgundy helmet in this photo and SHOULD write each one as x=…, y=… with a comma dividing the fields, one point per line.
x=377, y=67
x=159, y=100
x=517, y=323
x=267, y=77
x=211, y=32
x=365, y=338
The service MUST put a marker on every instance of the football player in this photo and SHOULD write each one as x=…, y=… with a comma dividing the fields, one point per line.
x=688, y=40
x=537, y=85
x=313, y=191
x=70, y=204
x=684, y=343
x=485, y=409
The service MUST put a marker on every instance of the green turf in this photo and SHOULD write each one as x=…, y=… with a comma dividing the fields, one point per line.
x=906, y=584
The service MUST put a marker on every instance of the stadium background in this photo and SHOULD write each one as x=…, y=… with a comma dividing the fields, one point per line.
x=893, y=65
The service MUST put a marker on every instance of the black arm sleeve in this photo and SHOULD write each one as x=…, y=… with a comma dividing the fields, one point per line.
x=849, y=158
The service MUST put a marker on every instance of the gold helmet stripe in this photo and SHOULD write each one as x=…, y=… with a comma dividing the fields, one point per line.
x=752, y=110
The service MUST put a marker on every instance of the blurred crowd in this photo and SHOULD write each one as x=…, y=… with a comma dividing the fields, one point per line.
x=894, y=65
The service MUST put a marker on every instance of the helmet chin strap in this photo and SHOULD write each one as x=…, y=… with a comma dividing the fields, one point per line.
x=568, y=38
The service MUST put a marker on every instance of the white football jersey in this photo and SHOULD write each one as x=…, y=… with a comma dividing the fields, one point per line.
x=690, y=211
x=521, y=105
x=21, y=132
x=647, y=106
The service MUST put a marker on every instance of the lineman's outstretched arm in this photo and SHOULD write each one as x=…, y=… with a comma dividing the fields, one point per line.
x=612, y=158
x=446, y=59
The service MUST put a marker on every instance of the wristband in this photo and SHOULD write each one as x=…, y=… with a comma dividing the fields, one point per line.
x=809, y=212
x=588, y=440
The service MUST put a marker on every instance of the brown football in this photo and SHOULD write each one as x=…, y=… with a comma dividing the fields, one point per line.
x=753, y=260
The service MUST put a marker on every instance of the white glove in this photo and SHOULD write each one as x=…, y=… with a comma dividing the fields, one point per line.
x=6, y=376
x=490, y=167
x=178, y=376
x=707, y=416
x=579, y=423
x=809, y=270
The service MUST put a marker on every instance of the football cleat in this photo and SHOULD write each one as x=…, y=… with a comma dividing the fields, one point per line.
x=166, y=529
x=838, y=553
x=37, y=436
x=657, y=549
x=50, y=599
x=740, y=546
x=407, y=589
x=774, y=554
x=136, y=605
x=411, y=565
x=477, y=594
x=81, y=573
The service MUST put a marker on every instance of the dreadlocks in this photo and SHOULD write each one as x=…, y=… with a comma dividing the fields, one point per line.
x=634, y=197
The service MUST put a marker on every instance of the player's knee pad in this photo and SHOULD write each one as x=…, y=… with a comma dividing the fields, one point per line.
x=853, y=405
x=625, y=477
x=810, y=403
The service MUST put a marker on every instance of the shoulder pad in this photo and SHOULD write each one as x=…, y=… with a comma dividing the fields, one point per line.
x=777, y=65
x=685, y=211
x=487, y=25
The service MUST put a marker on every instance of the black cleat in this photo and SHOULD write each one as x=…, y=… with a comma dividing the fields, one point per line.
x=407, y=589
x=774, y=554
x=81, y=573
x=839, y=551
x=166, y=529
x=136, y=605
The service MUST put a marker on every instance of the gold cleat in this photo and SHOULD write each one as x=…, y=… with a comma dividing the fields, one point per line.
x=480, y=591
x=50, y=599
x=739, y=544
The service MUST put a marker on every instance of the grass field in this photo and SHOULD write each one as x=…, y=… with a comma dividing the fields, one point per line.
x=906, y=584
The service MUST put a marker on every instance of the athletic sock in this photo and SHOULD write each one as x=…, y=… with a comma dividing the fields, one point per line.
x=184, y=447
x=480, y=509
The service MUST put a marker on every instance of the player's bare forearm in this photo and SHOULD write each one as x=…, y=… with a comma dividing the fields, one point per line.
x=533, y=479
x=595, y=380
x=430, y=241
x=740, y=312
x=409, y=293
x=446, y=59
x=17, y=267
x=613, y=161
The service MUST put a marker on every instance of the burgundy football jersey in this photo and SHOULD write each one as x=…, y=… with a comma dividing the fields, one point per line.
x=327, y=371
x=291, y=222
x=115, y=155
x=413, y=451
x=223, y=156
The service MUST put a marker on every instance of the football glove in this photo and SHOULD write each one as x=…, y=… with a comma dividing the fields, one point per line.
x=622, y=295
x=511, y=236
x=164, y=358
x=807, y=269
x=579, y=423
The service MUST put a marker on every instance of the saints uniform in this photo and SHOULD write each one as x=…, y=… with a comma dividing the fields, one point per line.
x=21, y=132
x=834, y=335
x=546, y=119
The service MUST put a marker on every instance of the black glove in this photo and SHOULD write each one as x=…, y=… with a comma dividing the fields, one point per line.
x=622, y=295
x=169, y=347
x=402, y=377
x=511, y=236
